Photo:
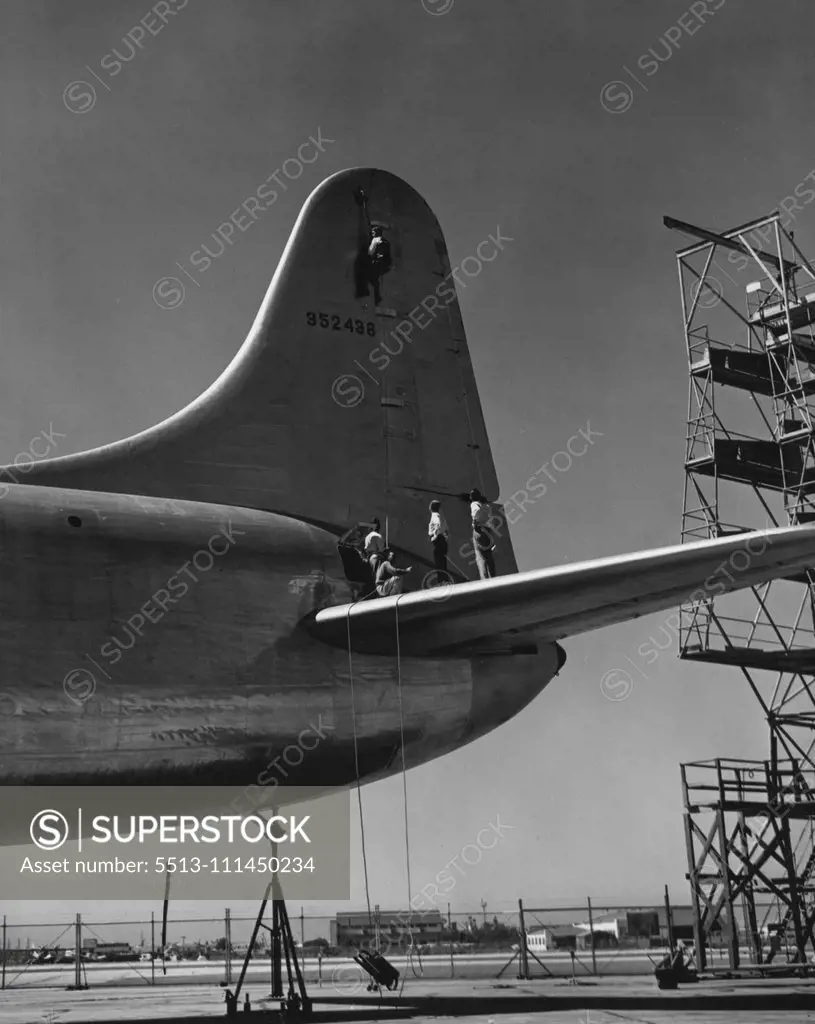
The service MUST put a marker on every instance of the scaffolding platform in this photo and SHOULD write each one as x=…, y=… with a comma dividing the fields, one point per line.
x=750, y=459
x=750, y=371
x=756, y=462
x=800, y=811
x=803, y=345
x=754, y=657
x=778, y=315
x=736, y=368
x=743, y=820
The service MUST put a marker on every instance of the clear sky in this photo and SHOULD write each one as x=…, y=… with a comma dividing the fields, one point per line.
x=497, y=114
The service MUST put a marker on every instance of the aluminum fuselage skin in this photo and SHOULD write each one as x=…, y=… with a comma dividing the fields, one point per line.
x=150, y=641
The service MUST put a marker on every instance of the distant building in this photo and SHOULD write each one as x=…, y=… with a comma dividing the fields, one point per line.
x=642, y=926
x=106, y=950
x=560, y=936
x=647, y=924
x=628, y=924
x=356, y=929
x=683, y=923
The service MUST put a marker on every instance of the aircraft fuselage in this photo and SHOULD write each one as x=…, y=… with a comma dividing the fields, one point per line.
x=108, y=677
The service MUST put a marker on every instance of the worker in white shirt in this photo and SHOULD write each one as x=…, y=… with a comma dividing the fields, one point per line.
x=439, y=535
x=483, y=539
x=374, y=546
x=379, y=260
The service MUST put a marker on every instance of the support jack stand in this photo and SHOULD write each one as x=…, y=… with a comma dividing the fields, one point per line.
x=296, y=1001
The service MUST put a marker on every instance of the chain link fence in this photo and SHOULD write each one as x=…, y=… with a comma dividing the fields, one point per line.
x=584, y=938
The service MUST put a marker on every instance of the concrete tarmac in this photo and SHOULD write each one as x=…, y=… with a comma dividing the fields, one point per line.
x=603, y=1001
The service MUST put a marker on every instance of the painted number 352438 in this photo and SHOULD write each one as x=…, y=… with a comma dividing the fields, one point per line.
x=332, y=322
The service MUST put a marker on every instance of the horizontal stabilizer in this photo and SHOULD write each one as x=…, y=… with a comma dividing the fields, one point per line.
x=567, y=600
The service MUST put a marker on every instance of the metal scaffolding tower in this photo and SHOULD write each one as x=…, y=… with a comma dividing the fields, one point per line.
x=750, y=464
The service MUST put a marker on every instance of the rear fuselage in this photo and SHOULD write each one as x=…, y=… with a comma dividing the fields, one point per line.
x=150, y=641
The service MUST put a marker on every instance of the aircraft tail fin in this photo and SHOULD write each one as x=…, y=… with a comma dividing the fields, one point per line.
x=353, y=395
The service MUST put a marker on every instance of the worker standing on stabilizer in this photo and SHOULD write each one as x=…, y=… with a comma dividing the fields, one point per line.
x=439, y=534
x=483, y=539
x=374, y=546
x=389, y=579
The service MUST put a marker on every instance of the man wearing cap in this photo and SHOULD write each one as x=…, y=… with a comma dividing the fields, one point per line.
x=483, y=540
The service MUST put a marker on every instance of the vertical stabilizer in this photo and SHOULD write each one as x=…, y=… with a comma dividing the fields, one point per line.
x=338, y=406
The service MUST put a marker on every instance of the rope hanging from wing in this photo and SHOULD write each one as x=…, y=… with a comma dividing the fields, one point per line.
x=356, y=766
x=410, y=948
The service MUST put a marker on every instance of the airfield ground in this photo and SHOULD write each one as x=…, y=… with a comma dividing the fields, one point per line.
x=185, y=998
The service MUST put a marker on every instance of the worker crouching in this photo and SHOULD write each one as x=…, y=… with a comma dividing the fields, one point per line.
x=389, y=579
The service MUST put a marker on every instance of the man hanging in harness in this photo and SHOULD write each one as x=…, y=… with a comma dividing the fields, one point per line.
x=379, y=260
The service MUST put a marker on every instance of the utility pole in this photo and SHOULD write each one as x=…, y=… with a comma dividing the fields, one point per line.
x=449, y=932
